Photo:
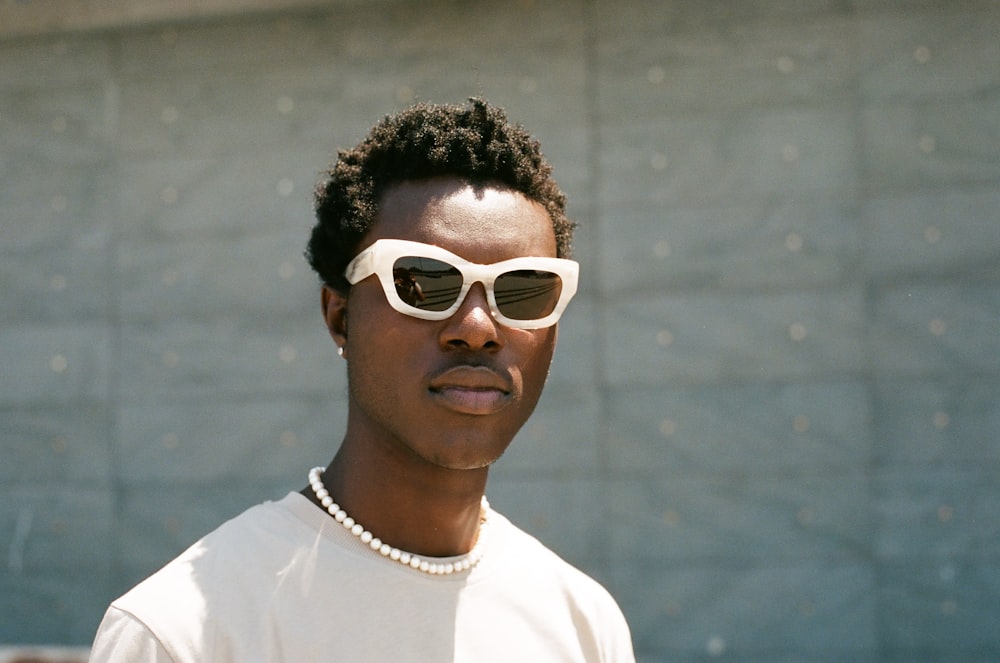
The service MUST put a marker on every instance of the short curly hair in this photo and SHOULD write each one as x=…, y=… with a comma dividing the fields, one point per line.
x=474, y=142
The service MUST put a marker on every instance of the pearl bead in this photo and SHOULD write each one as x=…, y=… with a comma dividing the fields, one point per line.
x=466, y=562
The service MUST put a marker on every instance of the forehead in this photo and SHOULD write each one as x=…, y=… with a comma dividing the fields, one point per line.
x=480, y=223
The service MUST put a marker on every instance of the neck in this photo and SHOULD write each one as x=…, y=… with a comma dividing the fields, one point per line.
x=407, y=502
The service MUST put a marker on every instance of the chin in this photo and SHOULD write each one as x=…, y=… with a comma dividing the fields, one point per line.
x=466, y=461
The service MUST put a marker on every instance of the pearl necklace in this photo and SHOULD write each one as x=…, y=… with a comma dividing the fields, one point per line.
x=463, y=563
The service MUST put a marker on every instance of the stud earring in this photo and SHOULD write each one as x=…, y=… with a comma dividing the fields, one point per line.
x=340, y=350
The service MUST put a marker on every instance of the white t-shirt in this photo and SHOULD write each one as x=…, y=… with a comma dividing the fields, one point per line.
x=285, y=582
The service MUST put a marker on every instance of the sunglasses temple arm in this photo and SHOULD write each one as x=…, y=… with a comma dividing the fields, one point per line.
x=359, y=268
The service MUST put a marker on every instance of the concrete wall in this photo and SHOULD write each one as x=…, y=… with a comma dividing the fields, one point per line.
x=772, y=425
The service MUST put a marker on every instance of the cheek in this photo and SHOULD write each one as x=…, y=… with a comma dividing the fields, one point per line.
x=538, y=358
x=382, y=381
x=376, y=347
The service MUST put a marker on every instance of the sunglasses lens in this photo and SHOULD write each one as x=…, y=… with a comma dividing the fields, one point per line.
x=434, y=285
x=426, y=283
x=527, y=294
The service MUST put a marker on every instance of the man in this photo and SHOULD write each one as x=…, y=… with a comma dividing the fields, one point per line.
x=442, y=244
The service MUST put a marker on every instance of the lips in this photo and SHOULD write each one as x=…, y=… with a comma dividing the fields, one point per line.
x=476, y=390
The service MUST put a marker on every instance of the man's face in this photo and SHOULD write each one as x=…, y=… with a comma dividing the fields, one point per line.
x=452, y=392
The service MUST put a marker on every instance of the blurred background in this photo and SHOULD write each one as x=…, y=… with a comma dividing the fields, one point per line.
x=772, y=429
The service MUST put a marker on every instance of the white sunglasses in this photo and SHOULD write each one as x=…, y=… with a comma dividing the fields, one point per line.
x=430, y=283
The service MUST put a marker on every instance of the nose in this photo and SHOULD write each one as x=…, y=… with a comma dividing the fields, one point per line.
x=472, y=327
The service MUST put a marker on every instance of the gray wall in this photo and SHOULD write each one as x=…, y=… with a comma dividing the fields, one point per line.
x=772, y=425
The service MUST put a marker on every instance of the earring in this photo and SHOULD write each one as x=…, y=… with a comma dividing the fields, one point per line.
x=340, y=350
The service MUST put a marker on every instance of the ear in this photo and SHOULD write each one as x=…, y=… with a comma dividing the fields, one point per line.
x=335, y=315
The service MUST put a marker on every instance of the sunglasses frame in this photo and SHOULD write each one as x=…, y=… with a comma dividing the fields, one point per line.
x=380, y=257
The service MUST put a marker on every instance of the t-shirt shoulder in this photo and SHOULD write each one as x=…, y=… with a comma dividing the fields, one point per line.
x=525, y=556
x=217, y=556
